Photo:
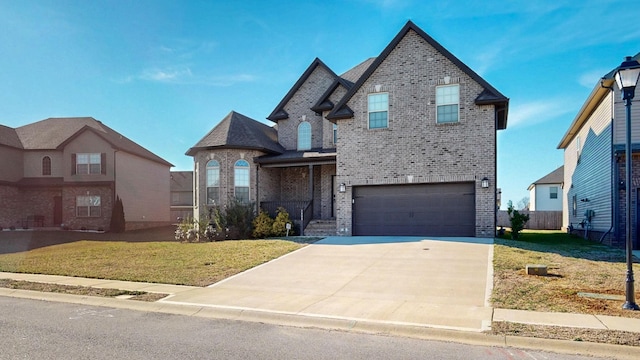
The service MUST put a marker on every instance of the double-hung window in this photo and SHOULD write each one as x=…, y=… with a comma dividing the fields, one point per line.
x=448, y=104
x=88, y=206
x=89, y=163
x=553, y=192
x=241, y=181
x=213, y=182
x=378, y=110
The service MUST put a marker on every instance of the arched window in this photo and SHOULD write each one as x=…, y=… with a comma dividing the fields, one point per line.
x=304, y=136
x=46, y=165
x=213, y=182
x=241, y=181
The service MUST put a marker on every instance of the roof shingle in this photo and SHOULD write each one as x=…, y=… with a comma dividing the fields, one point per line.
x=54, y=133
x=239, y=131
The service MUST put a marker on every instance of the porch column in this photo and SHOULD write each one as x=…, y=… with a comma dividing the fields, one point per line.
x=310, y=182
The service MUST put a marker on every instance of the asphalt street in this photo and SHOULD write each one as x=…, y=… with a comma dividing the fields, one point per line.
x=33, y=329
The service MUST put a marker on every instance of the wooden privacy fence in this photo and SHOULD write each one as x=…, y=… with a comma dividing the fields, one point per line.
x=538, y=220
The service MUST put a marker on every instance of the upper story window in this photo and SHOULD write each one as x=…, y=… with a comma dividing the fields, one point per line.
x=213, y=182
x=378, y=110
x=46, y=165
x=553, y=192
x=88, y=206
x=335, y=133
x=88, y=163
x=241, y=181
x=304, y=136
x=448, y=103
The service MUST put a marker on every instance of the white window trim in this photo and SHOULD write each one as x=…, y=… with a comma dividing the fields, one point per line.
x=235, y=184
x=207, y=168
x=369, y=111
x=94, y=201
x=309, y=137
x=445, y=104
x=88, y=163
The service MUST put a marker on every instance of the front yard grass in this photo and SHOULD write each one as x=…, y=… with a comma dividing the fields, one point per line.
x=574, y=266
x=197, y=264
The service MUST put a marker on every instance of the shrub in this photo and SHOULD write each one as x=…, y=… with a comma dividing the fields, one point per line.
x=517, y=220
x=279, y=227
x=238, y=218
x=262, y=225
x=117, y=224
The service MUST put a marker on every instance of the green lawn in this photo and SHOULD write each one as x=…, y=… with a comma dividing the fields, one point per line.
x=198, y=264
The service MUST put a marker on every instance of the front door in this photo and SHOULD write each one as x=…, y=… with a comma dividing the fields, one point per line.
x=57, y=210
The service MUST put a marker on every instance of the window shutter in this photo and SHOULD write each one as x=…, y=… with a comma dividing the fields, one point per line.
x=103, y=163
x=73, y=164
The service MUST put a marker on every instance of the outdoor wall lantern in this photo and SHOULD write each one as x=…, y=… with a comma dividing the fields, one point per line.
x=627, y=78
x=342, y=187
x=484, y=183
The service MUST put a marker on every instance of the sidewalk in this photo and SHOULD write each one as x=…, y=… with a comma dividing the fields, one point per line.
x=600, y=322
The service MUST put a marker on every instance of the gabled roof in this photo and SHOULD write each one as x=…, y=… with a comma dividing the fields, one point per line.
x=598, y=93
x=347, y=80
x=554, y=177
x=352, y=75
x=237, y=131
x=9, y=137
x=279, y=113
x=55, y=133
x=488, y=96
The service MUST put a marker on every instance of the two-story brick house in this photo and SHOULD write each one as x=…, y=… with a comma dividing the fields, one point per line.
x=68, y=172
x=401, y=144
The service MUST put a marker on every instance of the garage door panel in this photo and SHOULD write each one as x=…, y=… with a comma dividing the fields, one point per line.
x=443, y=209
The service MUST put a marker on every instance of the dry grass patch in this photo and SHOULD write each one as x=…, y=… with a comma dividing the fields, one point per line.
x=574, y=265
x=79, y=290
x=197, y=264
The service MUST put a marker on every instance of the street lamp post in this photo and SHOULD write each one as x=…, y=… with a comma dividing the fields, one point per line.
x=627, y=79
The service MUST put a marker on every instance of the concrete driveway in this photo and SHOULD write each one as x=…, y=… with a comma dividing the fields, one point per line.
x=435, y=282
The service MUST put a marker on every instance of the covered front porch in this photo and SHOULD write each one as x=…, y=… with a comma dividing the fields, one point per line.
x=302, y=182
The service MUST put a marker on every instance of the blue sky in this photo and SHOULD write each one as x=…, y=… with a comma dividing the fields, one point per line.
x=163, y=73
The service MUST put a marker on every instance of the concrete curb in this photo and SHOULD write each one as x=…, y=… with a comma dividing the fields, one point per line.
x=347, y=325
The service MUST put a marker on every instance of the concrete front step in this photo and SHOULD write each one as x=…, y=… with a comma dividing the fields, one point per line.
x=321, y=228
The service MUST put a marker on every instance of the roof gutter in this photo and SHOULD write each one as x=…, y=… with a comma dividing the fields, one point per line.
x=594, y=99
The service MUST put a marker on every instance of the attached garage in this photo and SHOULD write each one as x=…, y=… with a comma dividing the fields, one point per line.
x=442, y=209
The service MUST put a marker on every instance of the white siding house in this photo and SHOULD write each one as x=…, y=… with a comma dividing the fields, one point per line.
x=545, y=194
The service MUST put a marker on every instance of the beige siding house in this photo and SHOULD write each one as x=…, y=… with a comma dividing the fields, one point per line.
x=382, y=149
x=67, y=172
x=594, y=158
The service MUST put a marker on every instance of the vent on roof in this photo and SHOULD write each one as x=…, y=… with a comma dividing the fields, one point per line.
x=379, y=88
x=448, y=80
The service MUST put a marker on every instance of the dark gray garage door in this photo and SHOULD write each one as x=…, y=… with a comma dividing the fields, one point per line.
x=415, y=209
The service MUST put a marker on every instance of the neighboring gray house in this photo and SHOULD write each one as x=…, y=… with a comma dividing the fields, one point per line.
x=545, y=194
x=402, y=144
x=181, y=188
x=68, y=172
x=594, y=160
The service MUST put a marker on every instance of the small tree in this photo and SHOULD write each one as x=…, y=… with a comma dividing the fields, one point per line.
x=262, y=225
x=279, y=227
x=117, y=224
x=517, y=220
